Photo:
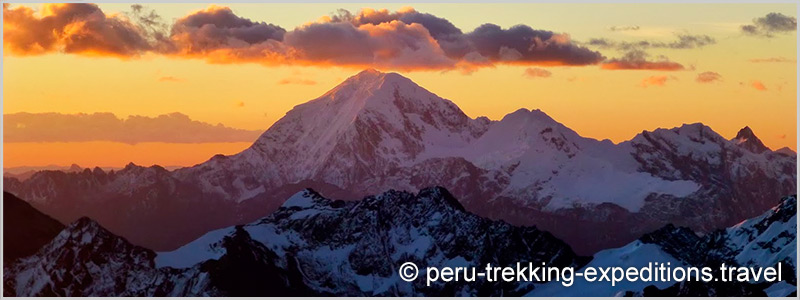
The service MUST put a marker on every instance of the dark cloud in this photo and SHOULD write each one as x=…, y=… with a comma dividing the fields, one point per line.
x=394, y=45
x=602, y=43
x=624, y=28
x=486, y=45
x=688, y=41
x=450, y=38
x=522, y=43
x=405, y=39
x=771, y=24
x=708, y=77
x=299, y=81
x=537, y=72
x=170, y=128
x=79, y=28
x=682, y=41
x=218, y=31
x=639, y=60
x=772, y=60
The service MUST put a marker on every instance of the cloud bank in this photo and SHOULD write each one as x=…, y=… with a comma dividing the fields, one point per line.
x=403, y=40
x=169, y=128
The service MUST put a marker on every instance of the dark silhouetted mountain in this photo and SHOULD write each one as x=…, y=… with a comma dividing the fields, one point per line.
x=747, y=139
x=25, y=229
x=310, y=246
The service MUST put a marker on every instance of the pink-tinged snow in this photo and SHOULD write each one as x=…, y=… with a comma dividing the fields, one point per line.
x=566, y=167
x=375, y=123
x=636, y=254
x=204, y=248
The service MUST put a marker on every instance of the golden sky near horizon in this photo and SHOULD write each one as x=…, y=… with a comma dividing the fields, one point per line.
x=753, y=81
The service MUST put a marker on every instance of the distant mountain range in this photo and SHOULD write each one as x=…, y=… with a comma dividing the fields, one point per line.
x=380, y=131
x=315, y=246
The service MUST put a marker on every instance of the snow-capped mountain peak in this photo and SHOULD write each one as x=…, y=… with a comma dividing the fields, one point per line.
x=380, y=131
x=747, y=139
x=371, y=121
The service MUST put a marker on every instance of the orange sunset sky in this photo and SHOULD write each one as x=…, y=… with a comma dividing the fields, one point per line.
x=216, y=76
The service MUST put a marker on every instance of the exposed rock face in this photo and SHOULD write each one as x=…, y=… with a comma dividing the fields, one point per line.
x=25, y=229
x=310, y=246
x=759, y=242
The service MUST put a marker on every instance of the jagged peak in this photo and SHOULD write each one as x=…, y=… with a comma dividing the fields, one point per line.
x=132, y=165
x=371, y=79
x=84, y=223
x=524, y=114
x=302, y=199
x=748, y=140
x=694, y=132
x=442, y=194
x=786, y=151
x=692, y=127
x=74, y=168
x=308, y=198
x=369, y=72
x=745, y=133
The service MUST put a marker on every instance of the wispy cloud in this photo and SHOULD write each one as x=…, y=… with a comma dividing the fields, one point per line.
x=537, y=73
x=758, y=85
x=169, y=79
x=708, y=77
x=639, y=60
x=682, y=41
x=299, y=81
x=659, y=80
x=169, y=128
x=624, y=28
x=772, y=60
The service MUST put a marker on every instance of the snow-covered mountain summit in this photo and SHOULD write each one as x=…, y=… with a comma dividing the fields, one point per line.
x=380, y=131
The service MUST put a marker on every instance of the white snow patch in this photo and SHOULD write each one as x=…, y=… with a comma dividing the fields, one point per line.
x=636, y=254
x=299, y=200
x=203, y=248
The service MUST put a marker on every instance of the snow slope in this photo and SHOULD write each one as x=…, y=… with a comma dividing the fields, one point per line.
x=380, y=131
x=762, y=241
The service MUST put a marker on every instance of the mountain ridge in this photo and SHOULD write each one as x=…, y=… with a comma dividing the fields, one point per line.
x=317, y=246
x=378, y=131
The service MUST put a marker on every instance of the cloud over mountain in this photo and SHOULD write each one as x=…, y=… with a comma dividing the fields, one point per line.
x=169, y=128
x=404, y=40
